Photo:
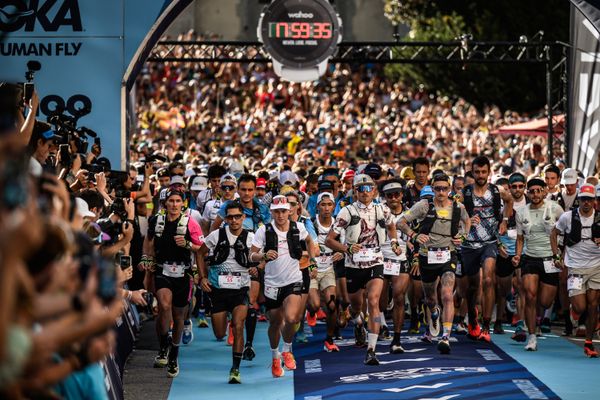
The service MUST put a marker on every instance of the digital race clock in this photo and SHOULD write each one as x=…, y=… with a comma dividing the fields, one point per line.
x=300, y=36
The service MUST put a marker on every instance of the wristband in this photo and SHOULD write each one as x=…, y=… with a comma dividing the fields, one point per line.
x=311, y=267
x=349, y=249
x=188, y=245
x=129, y=295
x=556, y=257
x=76, y=303
x=264, y=257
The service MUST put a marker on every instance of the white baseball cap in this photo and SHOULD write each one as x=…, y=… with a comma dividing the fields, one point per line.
x=176, y=179
x=199, y=183
x=569, y=177
x=288, y=178
x=325, y=195
x=280, y=203
x=362, y=179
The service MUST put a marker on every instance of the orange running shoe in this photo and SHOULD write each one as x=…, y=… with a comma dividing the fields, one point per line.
x=321, y=316
x=330, y=347
x=311, y=320
x=230, y=336
x=474, y=331
x=288, y=360
x=589, y=350
x=276, y=369
x=484, y=336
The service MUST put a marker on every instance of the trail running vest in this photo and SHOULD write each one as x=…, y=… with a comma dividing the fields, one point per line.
x=221, y=251
x=353, y=229
x=293, y=240
x=497, y=201
x=427, y=223
x=574, y=236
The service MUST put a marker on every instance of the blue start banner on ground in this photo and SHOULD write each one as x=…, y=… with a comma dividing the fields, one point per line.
x=88, y=50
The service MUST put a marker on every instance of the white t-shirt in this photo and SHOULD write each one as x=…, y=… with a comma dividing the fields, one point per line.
x=230, y=264
x=585, y=254
x=386, y=249
x=324, y=261
x=211, y=210
x=284, y=270
x=535, y=225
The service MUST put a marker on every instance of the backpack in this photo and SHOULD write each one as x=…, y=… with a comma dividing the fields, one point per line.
x=354, y=228
x=221, y=251
x=574, y=236
x=427, y=223
x=293, y=239
x=496, y=199
x=182, y=225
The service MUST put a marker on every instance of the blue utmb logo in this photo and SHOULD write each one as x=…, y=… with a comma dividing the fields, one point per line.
x=51, y=15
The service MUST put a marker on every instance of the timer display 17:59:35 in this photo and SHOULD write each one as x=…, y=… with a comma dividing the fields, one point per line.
x=300, y=30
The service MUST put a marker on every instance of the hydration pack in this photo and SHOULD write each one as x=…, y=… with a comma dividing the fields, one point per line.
x=293, y=240
x=497, y=201
x=574, y=236
x=427, y=223
x=353, y=229
x=182, y=225
x=222, y=249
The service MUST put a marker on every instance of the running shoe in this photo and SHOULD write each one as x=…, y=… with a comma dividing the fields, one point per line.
x=427, y=338
x=580, y=332
x=461, y=328
x=590, y=351
x=201, y=321
x=321, y=316
x=498, y=329
x=330, y=347
x=444, y=346
x=414, y=329
x=360, y=335
x=531, y=343
x=230, y=337
x=288, y=360
x=311, y=320
x=172, y=368
x=234, y=376
x=474, y=331
x=276, y=369
x=161, y=360
x=484, y=336
x=545, y=326
x=188, y=332
x=520, y=335
x=384, y=333
x=248, y=353
x=515, y=320
x=433, y=320
x=344, y=318
x=511, y=303
x=396, y=348
x=371, y=358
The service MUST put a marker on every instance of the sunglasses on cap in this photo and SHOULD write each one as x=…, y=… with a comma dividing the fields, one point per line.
x=364, y=188
x=227, y=188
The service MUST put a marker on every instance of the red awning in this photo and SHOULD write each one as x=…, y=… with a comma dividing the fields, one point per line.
x=536, y=127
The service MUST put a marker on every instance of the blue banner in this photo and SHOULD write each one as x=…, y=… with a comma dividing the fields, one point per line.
x=85, y=48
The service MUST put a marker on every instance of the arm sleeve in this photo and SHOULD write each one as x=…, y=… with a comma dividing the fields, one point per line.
x=341, y=221
x=196, y=235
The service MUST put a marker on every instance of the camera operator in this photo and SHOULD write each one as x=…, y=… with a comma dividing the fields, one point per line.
x=119, y=226
x=42, y=144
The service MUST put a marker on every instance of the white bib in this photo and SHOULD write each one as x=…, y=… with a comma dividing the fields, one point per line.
x=438, y=256
x=230, y=281
x=173, y=270
x=512, y=234
x=271, y=292
x=574, y=282
x=391, y=267
x=549, y=266
x=365, y=255
x=325, y=262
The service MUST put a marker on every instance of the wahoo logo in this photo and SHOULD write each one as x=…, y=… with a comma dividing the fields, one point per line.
x=301, y=14
x=51, y=15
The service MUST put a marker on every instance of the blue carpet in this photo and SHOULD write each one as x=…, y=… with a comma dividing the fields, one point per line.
x=473, y=370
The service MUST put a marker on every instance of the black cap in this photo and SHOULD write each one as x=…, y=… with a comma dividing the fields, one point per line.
x=373, y=170
x=536, y=182
x=325, y=185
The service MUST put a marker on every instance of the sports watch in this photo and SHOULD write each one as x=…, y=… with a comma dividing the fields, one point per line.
x=300, y=36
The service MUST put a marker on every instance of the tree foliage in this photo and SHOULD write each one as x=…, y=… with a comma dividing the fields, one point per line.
x=516, y=87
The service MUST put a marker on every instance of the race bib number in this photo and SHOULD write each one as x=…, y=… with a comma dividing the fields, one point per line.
x=324, y=262
x=549, y=267
x=173, y=270
x=512, y=234
x=230, y=281
x=438, y=256
x=458, y=270
x=574, y=282
x=365, y=255
x=271, y=292
x=391, y=267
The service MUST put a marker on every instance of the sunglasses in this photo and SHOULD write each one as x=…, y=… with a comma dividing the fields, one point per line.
x=441, y=188
x=234, y=217
x=517, y=186
x=227, y=188
x=365, y=188
x=586, y=199
x=393, y=195
x=292, y=203
x=535, y=191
